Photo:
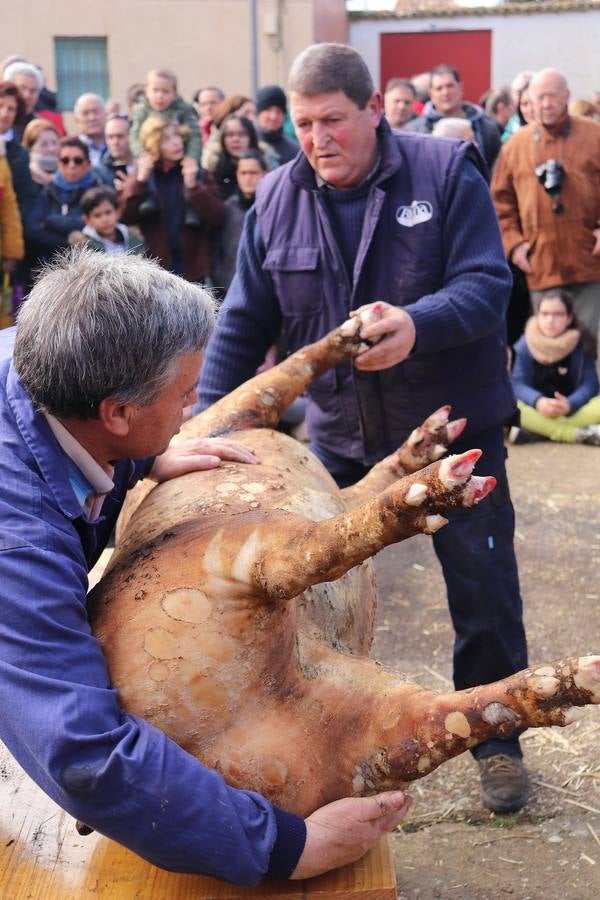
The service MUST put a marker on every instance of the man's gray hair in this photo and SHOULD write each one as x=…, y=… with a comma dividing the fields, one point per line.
x=24, y=68
x=452, y=127
x=85, y=96
x=326, y=68
x=97, y=326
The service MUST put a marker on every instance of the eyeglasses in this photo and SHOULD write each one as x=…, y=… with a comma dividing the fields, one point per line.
x=76, y=160
x=236, y=134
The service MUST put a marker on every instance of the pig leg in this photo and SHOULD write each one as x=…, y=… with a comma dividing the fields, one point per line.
x=434, y=728
x=293, y=553
x=427, y=443
x=259, y=403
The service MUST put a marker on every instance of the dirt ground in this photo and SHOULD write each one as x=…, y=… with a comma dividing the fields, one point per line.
x=451, y=846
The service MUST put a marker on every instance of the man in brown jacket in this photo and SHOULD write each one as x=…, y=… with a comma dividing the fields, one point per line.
x=546, y=188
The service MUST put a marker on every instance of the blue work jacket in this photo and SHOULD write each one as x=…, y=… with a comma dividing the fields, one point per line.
x=59, y=714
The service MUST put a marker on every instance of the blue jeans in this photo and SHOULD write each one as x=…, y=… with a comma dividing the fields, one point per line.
x=476, y=552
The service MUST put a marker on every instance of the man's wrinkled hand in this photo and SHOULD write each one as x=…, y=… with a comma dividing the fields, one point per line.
x=390, y=329
x=197, y=454
x=343, y=831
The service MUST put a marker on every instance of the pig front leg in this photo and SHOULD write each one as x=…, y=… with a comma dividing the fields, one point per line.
x=426, y=444
x=431, y=729
x=259, y=402
x=296, y=553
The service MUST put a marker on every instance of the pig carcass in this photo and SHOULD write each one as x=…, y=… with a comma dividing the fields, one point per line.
x=237, y=613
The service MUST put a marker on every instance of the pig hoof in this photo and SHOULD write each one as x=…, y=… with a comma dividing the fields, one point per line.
x=350, y=327
x=587, y=677
x=416, y=494
x=478, y=487
x=456, y=427
x=439, y=418
x=544, y=686
x=456, y=469
x=434, y=523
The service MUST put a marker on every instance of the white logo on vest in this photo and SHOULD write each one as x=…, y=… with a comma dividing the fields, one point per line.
x=418, y=212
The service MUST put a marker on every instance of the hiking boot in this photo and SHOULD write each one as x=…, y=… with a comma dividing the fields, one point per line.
x=504, y=783
x=589, y=434
x=517, y=435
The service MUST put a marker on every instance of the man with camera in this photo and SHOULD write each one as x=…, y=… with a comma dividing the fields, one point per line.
x=117, y=161
x=546, y=188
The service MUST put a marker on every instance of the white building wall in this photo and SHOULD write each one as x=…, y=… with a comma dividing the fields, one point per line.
x=567, y=41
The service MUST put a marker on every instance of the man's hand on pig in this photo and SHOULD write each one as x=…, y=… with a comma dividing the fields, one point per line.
x=196, y=454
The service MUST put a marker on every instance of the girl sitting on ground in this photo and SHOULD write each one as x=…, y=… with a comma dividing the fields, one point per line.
x=554, y=375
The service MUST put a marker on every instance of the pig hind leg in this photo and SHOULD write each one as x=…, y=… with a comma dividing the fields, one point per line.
x=445, y=725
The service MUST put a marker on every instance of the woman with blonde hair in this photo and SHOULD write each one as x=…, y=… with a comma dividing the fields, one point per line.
x=177, y=211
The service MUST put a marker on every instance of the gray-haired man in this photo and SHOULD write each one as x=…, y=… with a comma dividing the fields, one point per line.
x=106, y=356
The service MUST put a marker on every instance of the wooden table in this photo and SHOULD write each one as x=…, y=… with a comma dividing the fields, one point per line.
x=42, y=857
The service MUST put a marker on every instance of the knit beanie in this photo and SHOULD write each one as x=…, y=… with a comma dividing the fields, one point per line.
x=271, y=95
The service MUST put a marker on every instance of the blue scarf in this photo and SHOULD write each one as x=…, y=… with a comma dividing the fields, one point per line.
x=66, y=187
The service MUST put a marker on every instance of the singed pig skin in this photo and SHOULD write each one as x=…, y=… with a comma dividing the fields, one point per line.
x=237, y=614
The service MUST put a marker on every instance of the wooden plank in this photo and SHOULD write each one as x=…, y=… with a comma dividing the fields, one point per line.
x=42, y=857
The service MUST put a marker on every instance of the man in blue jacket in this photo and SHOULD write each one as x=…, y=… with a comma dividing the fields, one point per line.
x=106, y=356
x=362, y=215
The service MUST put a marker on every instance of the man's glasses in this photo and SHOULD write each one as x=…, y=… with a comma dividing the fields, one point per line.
x=76, y=160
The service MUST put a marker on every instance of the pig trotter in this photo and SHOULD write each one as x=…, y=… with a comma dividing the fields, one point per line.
x=301, y=553
x=260, y=402
x=426, y=444
x=448, y=724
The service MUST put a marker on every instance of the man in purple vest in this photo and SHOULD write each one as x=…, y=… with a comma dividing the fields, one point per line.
x=364, y=215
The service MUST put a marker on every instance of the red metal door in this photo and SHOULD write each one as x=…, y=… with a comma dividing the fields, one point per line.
x=403, y=55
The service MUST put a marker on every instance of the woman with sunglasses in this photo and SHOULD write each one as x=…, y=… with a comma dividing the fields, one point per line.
x=56, y=212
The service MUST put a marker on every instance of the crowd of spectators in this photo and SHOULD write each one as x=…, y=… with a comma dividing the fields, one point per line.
x=174, y=179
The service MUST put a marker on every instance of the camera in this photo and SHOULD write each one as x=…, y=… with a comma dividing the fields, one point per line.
x=550, y=176
x=118, y=167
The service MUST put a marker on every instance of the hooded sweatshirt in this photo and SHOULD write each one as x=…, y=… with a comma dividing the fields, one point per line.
x=484, y=128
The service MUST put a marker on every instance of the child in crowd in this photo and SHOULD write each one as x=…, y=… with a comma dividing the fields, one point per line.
x=161, y=98
x=554, y=375
x=103, y=231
